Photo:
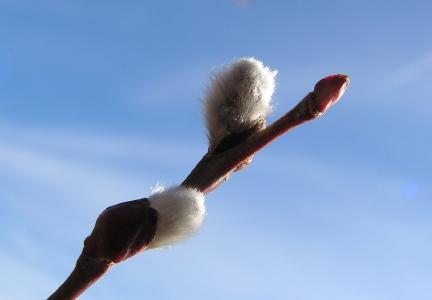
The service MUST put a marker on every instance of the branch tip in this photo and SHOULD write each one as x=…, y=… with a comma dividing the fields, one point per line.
x=328, y=91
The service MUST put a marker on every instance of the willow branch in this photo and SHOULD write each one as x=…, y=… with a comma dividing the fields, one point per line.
x=125, y=229
x=86, y=272
x=120, y=232
x=214, y=169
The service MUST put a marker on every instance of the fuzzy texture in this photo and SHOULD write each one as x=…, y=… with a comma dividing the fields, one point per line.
x=181, y=212
x=238, y=95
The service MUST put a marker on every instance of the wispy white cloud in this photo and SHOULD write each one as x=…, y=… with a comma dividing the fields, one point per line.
x=20, y=281
x=334, y=242
x=407, y=74
x=56, y=180
x=168, y=90
x=240, y=253
x=77, y=180
x=82, y=172
x=80, y=144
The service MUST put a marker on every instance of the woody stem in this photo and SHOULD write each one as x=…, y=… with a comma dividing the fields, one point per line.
x=214, y=169
x=86, y=272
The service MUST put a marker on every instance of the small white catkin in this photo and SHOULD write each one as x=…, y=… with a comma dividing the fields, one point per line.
x=181, y=213
x=238, y=95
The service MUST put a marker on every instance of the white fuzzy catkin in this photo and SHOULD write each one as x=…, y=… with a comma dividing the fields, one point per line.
x=181, y=212
x=238, y=95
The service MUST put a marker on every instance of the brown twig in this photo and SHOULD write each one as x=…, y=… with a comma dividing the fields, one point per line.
x=126, y=229
x=86, y=272
x=213, y=169
x=120, y=232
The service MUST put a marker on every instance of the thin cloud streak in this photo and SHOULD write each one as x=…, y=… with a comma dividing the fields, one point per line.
x=170, y=89
x=21, y=280
x=96, y=145
x=407, y=74
x=302, y=259
x=62, y=175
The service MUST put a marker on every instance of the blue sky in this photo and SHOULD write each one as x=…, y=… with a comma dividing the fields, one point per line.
x=100, y=102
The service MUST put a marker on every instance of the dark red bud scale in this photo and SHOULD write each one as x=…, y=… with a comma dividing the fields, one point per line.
x=122, y=231
x=328, y=91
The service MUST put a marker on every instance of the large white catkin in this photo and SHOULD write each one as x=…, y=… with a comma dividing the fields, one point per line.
x=238, y=95
x=181, y=213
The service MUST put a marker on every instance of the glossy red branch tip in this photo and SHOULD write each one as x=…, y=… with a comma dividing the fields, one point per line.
x=328, y=91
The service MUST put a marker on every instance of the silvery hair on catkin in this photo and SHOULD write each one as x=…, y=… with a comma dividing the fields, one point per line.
x=238, y=95
x=181, y=213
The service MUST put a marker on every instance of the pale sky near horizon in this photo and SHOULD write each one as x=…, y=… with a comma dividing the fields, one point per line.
x=100, y=102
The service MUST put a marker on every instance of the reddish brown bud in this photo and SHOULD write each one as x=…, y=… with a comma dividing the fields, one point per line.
x=328, y=91
x=122, y=231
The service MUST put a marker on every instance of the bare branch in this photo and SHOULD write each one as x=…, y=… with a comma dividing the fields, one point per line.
x=125, y=229
x=213, y=169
